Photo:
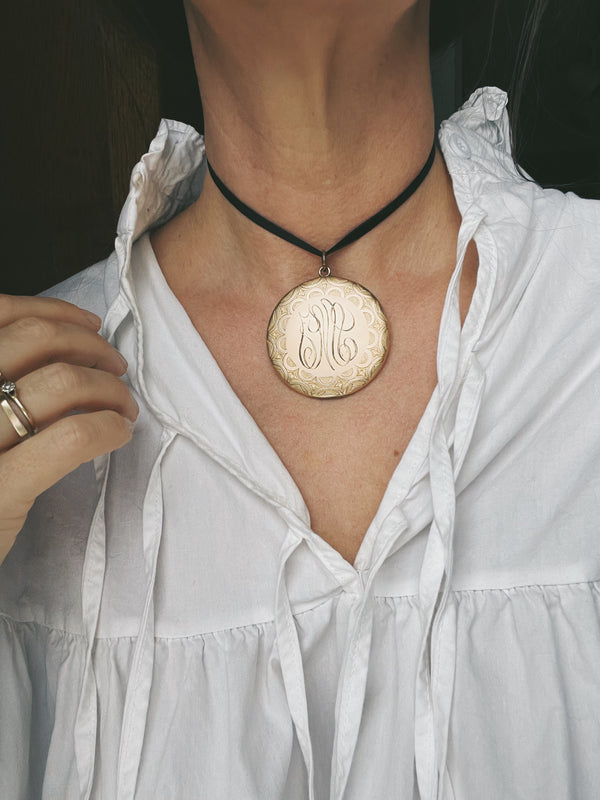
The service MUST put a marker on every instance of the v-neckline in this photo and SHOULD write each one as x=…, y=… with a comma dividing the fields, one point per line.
x=204, y=403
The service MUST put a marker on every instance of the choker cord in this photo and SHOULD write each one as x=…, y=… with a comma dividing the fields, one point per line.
x=356, y=233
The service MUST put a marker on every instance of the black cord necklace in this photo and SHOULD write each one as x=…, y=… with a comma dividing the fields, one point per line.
x=327, y=337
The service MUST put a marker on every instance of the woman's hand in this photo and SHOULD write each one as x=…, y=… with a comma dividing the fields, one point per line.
x=59, y=363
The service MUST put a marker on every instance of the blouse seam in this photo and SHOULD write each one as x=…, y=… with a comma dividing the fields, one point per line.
x=499, y=589
x=39, y=624
x=259, y=624
x=263, y=623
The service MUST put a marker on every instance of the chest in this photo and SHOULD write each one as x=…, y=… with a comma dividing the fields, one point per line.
x=341, y=452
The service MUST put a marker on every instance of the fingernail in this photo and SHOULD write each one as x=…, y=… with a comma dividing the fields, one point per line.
x=124, y=361
x=130, y=423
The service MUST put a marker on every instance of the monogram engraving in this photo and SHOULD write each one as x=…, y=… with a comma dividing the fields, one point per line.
x=322, y=336
x=327, y=337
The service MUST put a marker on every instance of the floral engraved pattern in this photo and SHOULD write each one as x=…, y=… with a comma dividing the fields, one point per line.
x=327, y=337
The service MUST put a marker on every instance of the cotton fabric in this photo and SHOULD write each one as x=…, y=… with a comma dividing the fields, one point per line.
x=171, y=627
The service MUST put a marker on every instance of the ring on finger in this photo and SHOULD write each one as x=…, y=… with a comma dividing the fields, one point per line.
x=24, y=426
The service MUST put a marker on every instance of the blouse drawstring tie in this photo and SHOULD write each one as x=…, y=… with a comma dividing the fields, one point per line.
x=290, y=656
x=92, y=584
x=86, y=719
x=139, y=682
x=140, y=674
x=435, y=684
x=355, y=663
x=354, y=668
x=459, y=397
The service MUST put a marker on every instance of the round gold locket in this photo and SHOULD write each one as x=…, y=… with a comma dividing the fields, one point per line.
x=328, y=337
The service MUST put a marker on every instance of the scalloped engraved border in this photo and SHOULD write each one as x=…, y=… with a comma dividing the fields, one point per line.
x=346, y=380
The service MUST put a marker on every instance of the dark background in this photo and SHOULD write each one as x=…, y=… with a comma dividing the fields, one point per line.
x=82, y=98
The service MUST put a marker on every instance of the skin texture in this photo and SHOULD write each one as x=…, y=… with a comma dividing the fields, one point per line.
x=317, y=113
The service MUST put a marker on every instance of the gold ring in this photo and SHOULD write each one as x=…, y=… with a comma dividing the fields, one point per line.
x=23, y=432
x=24, y=427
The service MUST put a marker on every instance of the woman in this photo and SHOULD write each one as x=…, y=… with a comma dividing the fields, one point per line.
x=265, y=593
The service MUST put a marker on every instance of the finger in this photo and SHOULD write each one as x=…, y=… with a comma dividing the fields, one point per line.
x=59, y=389
x=39, y=462
x=15, y=306
x=30, y=342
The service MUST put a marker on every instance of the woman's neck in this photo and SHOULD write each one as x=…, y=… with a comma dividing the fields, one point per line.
x=317, y=113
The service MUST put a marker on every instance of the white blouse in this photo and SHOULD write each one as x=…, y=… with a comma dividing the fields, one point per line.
x=170, y=625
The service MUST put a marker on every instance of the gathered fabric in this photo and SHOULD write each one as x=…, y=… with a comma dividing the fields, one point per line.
x=171, y=626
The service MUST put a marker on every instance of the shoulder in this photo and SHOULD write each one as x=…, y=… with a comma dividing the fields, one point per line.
x=476, y=144
x=546, y=250
x=92, y=288
x=569, y=247
x=580, y=226
x=544, y=242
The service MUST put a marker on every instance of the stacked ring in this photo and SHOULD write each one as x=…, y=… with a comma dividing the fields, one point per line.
x=13, y=407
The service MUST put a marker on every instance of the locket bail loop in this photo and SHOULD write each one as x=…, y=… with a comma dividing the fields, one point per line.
x=324, y=271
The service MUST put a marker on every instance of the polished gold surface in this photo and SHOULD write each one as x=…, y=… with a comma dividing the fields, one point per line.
x=9, y=389
x=23, y=431
x=327, y=337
